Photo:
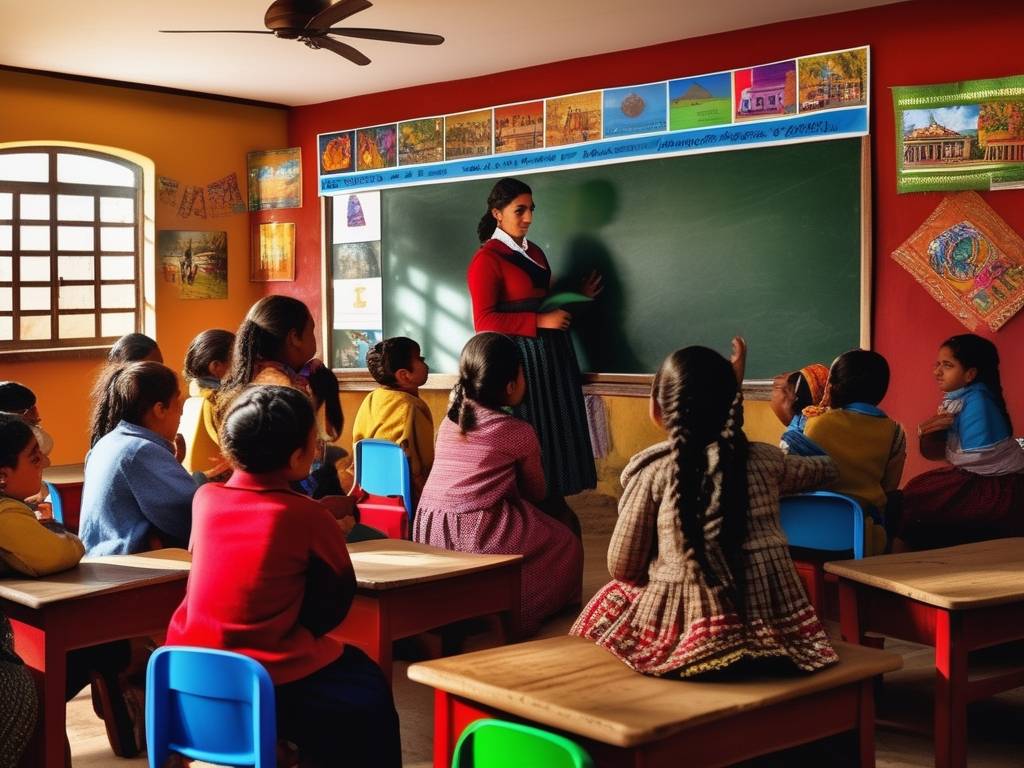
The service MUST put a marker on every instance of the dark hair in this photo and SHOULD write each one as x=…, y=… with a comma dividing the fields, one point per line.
x=701, y=405
x=263, y=334
x=210, y=346
x=264, y=426
x=15, y=434
x=126, y=392
x=324, y=386
x=858, y=376
x=981, y=354
x=15, y=397
x=131, y=348
x=489, y=361
x=801, y=392
x=390, y=356
x=502, y=193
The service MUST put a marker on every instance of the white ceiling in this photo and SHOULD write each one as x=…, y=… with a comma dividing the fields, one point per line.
x=118, y=40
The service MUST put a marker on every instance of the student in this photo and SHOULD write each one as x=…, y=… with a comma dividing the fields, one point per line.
x=395, y=411
x=980, y=495
x=21, y=401
x=869, y=448
x=33, y=548
x=702, y=573
x=487, y=479
x=18, y=704
x=134, y=487
x=207, y=361
x=271, y=576
x=794, y=392
x=134, y=348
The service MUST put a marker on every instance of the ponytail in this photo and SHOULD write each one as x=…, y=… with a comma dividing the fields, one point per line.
x=488, y=363
x=127, y=392
x=485, y=229
x=502, y=193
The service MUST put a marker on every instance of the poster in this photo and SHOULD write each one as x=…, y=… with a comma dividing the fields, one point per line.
x=573, y=119
x=637, y=109
x=356, y=218
x=957, y=136
x=196, y=261
x=349, y=346
x=519, y=126
x=696, y=102
x=468, y=134
x=357, y=303
x=336, y=152
x=376, y=147
x=224, y=197
x=969, y=260
x=167, y=190
x=421, y=141
x=765, y=92
x=275, y=179
x=833, y=80
x=352, y=261
x=273, y=258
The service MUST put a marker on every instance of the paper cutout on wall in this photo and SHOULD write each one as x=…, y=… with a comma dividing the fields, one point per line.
x=199, y=203
x=188, y=197
x=167, y=190
x=224, y=196
x=969, y=260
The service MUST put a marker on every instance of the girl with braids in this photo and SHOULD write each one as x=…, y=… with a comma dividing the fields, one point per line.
x=207, y=361
x=508, y=279
x=980, y=495
x=395, y=411
x=135, y=489
x=487, y=479
x=702, y=573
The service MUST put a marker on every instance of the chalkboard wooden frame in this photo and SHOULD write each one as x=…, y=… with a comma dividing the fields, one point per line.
x=618, y=384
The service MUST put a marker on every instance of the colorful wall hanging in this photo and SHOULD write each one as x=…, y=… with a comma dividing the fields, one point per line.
x=967, y=135
x=969, y=260
x=275, y=179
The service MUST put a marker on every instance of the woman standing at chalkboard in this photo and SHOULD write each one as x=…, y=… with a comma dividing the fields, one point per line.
x=508, y=279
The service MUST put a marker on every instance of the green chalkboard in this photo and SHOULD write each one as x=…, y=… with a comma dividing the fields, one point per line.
x=695, y=249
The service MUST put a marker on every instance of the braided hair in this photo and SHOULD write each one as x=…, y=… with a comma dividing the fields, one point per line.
x=388, y=357
x=702, y=409
x=489, y=362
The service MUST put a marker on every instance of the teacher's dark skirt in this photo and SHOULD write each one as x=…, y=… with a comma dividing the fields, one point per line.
x=554, y=406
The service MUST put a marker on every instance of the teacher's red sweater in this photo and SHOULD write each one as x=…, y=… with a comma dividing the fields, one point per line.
x=267, y=565
x=498, y=275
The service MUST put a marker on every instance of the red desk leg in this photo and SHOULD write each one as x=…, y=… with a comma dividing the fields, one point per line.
x=866, y=724
x=368, y=627
x=451, y=716
x=48, y=662
x=849, y=613
x=950, y=691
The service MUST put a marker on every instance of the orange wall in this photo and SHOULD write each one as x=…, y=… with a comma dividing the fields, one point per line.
x=193, y=140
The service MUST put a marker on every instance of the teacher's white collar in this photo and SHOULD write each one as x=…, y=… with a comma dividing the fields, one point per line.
x=504, y=237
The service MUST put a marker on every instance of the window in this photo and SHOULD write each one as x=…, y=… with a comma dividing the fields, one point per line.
x=70, y=248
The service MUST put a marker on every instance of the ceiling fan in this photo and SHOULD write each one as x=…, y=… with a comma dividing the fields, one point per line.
x=312, y=21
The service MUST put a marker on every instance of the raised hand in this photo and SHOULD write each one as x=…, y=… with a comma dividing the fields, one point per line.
x=739, y=357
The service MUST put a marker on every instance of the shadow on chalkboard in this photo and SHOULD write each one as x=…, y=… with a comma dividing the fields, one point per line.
x=599, y=326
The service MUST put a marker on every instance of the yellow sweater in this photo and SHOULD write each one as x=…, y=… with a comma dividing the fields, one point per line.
x=29, y=547
x=390, y=414
x=202, y=451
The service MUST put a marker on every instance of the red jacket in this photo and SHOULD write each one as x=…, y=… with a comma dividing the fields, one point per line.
x=499, y=275
x=270, y=574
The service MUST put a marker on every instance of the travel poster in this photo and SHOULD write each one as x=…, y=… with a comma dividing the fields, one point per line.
x=519, y=127
x=573, y=119
x=421, y=141
x=637, y=109
x=833, y=80
x=468, y=134
x=765, y=92
x=697, y=102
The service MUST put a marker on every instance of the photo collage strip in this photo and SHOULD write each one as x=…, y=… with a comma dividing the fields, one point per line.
x=356, y=273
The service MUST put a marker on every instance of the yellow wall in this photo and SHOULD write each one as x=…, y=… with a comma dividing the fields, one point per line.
x=631, y=429
x=193, y=140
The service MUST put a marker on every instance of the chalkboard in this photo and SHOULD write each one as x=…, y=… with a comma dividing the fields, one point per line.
x=694, y=249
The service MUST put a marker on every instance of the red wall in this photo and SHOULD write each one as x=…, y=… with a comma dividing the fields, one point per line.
x=920, y=42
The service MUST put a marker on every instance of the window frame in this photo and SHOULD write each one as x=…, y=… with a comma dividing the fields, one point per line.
x=17, y=347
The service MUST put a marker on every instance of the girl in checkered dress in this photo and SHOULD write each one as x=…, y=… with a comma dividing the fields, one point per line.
x=701, y=568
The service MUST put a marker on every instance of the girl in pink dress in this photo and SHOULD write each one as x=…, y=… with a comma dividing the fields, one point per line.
x=487, y=478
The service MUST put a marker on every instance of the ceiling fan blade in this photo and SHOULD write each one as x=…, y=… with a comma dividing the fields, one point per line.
x=215, y=31
x=333, y=14
x=390, y=35
x=342, y=49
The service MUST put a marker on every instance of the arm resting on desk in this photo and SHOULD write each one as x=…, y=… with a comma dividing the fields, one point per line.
x=28, y=547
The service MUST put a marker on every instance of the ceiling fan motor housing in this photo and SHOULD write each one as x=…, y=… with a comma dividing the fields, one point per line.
x=288, y=18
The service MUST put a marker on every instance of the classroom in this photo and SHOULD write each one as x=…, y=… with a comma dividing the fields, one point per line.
x=245, y=168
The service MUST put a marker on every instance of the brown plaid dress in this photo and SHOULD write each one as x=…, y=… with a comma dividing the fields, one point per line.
x=660, y=615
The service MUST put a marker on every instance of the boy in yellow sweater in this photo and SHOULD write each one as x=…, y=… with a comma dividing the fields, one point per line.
x=868, y=447
x=395, y=411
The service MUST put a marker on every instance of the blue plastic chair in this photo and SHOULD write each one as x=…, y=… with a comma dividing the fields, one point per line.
x=382, y=468
x=825, y=522
x=56, y=506
x=500, y=744
x=214, y=706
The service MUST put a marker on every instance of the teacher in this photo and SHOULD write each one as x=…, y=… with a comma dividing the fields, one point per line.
x=508, y=279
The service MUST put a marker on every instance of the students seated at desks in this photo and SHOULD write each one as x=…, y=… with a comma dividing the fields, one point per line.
x=980, y=495
x=21, y=401
x=394, y=411
x=487, y=479
x=134, y=348
x=702, y=573
x=271, y=576
x=868, y=447
x=793, y=393
x=36, y=549
x=135, y=489
x=207, y=361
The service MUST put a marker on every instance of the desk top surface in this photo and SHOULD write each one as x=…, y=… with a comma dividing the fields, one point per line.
x=391, y=563
x=574, y=685
x=955, y=578
x=64, y=473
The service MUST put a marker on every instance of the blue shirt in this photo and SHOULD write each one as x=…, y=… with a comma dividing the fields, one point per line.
x=133, y=484
x=979, y=423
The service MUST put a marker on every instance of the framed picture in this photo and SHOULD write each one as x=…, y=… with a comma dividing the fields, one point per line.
x=275, y=179
x=196, y=261
x=273, y=257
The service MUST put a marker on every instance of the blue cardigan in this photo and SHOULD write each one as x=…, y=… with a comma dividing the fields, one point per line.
x=133, y=484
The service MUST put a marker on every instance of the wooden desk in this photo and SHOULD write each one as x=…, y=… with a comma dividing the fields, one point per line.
x=570, y=685
x=93, y=603
x=957, y=599
x=404, y=588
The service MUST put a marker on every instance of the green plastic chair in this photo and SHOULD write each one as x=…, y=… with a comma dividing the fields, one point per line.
x=501, y=744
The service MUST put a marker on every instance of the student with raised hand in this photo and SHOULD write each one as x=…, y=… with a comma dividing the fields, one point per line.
x=980, y=494
x=793, y=393
x=207, y=361
x=135, y=492
x=868, y=447
x=271, y=576
x=394, y=411
x=487, y=480
x=702, y=576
